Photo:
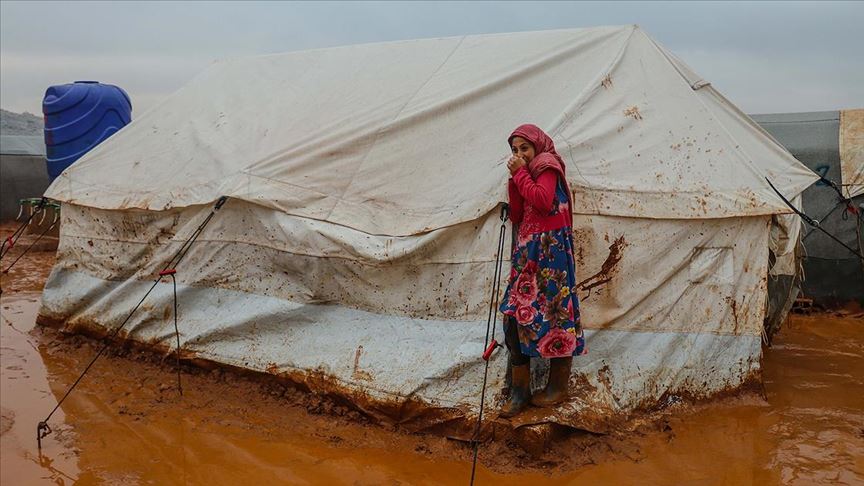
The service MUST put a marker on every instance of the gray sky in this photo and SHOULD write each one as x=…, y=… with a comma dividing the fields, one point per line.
x=764, y=56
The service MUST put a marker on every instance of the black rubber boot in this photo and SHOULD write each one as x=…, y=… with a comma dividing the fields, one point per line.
x=556, y=388
x=520, y=391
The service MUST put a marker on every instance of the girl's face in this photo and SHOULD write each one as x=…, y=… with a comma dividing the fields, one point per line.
x=522, y=148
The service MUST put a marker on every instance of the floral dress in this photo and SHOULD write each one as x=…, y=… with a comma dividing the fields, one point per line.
x=540, y=294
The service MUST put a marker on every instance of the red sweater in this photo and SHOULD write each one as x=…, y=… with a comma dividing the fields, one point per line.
x=531, y=202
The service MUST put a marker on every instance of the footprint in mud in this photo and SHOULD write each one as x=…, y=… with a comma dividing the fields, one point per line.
x=7, y=420
x=18, y=372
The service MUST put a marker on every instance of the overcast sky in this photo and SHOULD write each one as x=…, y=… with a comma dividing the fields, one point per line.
x=765, y=56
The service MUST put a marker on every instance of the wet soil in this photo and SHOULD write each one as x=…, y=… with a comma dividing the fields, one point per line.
x=126, y=422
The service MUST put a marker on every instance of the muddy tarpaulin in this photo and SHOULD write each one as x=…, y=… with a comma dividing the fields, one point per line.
x=359, y=243
x=671, y=307
x=852, y=151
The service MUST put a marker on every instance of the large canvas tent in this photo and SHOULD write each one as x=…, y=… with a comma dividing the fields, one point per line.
x=356, y=251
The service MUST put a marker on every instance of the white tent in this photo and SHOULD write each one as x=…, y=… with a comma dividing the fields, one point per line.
x=356, y=252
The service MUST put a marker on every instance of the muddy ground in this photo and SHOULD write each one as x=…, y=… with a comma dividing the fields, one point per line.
x=126, y=423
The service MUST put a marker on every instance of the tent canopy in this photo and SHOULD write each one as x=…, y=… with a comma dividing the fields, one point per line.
x=401, y=138
x=361, y=237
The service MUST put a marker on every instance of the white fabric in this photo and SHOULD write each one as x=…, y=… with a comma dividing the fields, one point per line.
x=406, y=137
x=670, y=275
x=852, y=151
x=680, y=314
x=388, y=358
x=784, y=237
x=365, y=182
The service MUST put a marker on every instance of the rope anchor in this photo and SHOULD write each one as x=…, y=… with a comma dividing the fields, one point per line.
x=42, y=431
x=172, y=272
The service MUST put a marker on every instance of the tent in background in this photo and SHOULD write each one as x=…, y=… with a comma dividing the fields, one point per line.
x=22, y=163
x=830, y=143
x=356, y=252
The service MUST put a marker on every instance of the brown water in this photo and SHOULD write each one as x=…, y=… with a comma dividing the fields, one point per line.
x=127, y=424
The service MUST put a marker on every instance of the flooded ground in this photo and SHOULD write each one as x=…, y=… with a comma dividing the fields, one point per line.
x=127, y=424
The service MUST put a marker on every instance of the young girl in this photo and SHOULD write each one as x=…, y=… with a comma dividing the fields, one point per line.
x=540, y=306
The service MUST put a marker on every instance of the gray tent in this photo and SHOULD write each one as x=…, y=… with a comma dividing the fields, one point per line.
x=23, y=173
x=832, y=274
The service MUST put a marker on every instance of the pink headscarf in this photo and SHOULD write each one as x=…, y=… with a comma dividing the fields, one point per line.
x=545, y=156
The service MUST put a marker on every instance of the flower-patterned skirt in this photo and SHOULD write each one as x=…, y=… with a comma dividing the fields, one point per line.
x=539, y=295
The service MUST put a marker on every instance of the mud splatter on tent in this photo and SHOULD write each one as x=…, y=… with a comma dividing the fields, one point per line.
x=320, y=270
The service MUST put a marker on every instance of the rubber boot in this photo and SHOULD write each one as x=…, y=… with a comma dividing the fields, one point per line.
x=556, y=388
x=520, y=391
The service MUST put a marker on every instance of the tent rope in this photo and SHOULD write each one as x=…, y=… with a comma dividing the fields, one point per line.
x=842, y=200
x=44, y=232
x=42, y=429
x=10, y=240
x=491, y=320
x=812, y=222
x=172, y=272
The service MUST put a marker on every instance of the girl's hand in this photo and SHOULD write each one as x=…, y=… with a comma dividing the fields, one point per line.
x=515, y=163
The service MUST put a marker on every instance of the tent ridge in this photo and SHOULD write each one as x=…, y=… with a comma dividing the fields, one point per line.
x=597, y=28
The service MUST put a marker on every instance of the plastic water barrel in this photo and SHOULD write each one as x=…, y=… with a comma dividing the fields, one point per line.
x=78, y=117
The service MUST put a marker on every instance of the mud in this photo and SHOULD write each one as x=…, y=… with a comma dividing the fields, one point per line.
x=30, y=272
x=607, y=81
x=633, y=112
x=126, y=423
x=608, y=269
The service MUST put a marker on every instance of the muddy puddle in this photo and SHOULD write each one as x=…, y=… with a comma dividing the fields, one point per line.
x=126, y=423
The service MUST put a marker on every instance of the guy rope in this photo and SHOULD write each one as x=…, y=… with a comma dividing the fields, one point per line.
x=815, y=223
x=42, y=429
x=9, y=242
x=491, y=321
x=36, y=206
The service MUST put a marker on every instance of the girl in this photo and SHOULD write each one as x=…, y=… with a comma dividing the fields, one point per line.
x=540, y=306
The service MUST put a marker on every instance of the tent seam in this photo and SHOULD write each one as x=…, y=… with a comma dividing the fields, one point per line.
x=378, y=132
x=377, y=263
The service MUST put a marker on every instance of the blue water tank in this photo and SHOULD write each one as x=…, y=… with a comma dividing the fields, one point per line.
x=79, y=116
